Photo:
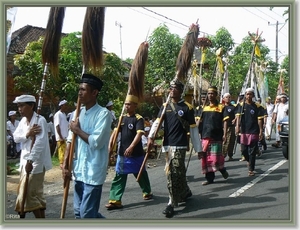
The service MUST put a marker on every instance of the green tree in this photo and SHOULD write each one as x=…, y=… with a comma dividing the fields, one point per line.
x=65, y=86
x=164, y=48
x=222, y=39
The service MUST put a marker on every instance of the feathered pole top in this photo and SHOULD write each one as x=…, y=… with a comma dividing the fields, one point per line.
x=51, y=45
x=137, y=74
x=92, y=37
x=183, y=63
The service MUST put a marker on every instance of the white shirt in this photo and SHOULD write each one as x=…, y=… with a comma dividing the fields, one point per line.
x=12, y=127
x=60, y=119
x=40, y=151
x=270, y=109
x=281, y=111
x=51, y=128
x=144, y=140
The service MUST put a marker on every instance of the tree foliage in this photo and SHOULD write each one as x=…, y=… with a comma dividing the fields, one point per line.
x=223, y=39
x=31, y=70
x=164, y=48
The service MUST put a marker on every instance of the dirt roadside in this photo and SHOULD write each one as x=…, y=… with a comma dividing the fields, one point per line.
x=54, y=175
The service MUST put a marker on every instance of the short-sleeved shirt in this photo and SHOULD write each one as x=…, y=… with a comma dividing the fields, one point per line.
x=60, y=119
x=250, y=115
x=230, y=111
x=270, y=108
x=264, y=112
x=198, y=112
x=130, y=126
x=281, y=111
x=51, y=128
x=174, y=132
x=212, y=118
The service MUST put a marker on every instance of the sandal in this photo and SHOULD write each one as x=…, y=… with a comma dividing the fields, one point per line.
x=206, y=183
x=148, y=196
x=251, y=173
x=112, y=206
x=276, y=145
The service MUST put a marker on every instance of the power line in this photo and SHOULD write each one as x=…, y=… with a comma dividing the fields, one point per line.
x=174, y=20
x=276, y=13
x=265, y=13
x=255, y=14
x=285, y=21
x=266, y=19
x=164, y=17
x=169, y=19
x=181, y=24
x=156, y=18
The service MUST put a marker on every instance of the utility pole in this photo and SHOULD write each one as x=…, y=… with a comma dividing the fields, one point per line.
x=276, y=49
x=119, y=24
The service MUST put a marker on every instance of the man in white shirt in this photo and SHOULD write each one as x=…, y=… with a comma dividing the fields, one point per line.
x=145, y=137
x=61, y=126
x=268, y=126
x=11, y=126
x=279, y=113
x=35, y=157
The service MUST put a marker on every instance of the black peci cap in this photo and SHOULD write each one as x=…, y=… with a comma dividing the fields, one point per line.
x=92, y=80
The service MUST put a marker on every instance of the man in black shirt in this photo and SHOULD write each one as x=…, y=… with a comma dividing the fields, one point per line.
x=214, y=128
x=178, y=121
x=230, y=135
x=249, y=124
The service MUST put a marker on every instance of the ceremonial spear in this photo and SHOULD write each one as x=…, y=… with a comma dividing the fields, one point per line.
x=203, y=43
x=255, y=39
x=50, y=51
x=135, y=84
x=182, y=67
x=92, y=58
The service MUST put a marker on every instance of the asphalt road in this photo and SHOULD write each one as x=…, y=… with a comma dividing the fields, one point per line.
x=264, y=199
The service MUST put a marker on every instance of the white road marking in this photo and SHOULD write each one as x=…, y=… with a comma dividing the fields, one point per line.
x=257, y=179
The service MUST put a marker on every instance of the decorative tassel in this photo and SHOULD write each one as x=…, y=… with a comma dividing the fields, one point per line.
x=137, y=72
x=183, y=63
x=92, y=37
x=51, y=43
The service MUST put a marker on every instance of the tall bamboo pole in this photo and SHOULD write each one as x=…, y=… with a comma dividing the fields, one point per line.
x=92, y=57
x=50, y=61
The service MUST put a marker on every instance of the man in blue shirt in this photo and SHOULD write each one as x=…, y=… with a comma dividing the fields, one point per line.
x=92, y=130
